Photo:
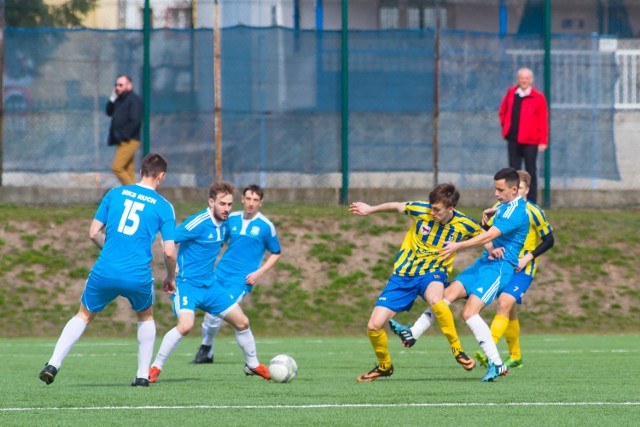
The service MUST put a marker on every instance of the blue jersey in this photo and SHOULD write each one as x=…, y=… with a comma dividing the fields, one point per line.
x=512, y=220
x=133, y=215
x=200, y=239
x=247, y=245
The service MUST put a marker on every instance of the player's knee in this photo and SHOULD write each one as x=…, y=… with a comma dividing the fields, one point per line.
x=468, y=313
x=373, y=326
x=185, y=326
x=242, y=323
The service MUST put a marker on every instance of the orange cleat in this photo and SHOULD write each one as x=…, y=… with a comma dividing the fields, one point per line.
x=259, y=370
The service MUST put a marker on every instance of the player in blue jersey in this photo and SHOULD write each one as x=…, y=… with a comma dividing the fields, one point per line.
x=418, y=271
x=124, y=227
x=539, y=240
x=241, y=265
x=483, y=280
x=201, y=237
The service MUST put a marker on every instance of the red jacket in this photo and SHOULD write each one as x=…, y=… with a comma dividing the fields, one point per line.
x=534, y=116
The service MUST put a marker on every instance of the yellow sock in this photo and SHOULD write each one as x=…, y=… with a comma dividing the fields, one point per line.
x=498, y=326
x=445, y=319
x=380, y=344
x=512, y=334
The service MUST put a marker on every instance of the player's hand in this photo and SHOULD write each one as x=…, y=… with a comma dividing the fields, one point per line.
x=496, y=253
x=488, y=213
x=113, y=96
x=449, y=249
x=522, y=262
x=360, y=208
x=252, y=278
x=169, y=285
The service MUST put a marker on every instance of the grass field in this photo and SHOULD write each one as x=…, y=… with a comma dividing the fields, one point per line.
x=566, y=380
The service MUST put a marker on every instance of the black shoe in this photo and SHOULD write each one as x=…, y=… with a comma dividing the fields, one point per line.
x=202, y=355
x=140, y=382
x=48, y=374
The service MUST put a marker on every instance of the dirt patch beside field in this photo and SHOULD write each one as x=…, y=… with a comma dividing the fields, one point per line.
x=327, y=265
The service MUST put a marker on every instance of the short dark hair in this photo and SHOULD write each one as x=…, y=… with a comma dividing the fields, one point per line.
x=220, y=187
x=254, y=188
x=525, y=177
x=445, y=193
x=153, y=164
x=126, y=76
x=510, y=176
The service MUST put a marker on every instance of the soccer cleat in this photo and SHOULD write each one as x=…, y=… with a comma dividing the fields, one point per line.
x=403, y=332
x=482, y=359
x=375, y=373
x=513, y=363
x=48, y=374
x=494, y=372
x=465, y=361
x=202, y=356
x=154, y=373
x=259, y=370
x=140, y=382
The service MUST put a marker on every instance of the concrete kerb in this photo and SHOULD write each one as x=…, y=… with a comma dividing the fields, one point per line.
x=560, y=199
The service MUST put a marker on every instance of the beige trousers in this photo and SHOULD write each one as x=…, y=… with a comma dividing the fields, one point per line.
x=123, y=165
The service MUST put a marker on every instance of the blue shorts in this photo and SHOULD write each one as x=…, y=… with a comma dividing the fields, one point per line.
x=100, y=291
x=485, y=278
x=211, y=299
x=401, y=291
x=235, y=285
x=518, y=285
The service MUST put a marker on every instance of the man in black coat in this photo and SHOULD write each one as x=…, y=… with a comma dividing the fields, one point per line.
x=125, y=109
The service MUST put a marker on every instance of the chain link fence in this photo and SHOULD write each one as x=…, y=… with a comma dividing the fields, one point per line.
x=282, y=98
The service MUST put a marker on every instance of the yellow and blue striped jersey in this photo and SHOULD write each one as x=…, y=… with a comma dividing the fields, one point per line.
x=538, y=227
x=419, y=251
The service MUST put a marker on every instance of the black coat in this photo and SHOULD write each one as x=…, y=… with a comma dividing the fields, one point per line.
x=126, y=118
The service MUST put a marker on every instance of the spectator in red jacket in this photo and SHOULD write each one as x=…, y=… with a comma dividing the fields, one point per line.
x=524, y=120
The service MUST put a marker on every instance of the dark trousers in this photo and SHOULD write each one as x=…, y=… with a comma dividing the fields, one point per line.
x=528, y=153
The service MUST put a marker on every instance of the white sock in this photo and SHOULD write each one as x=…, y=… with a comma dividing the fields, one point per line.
x=169, y=343
x=247, y=343
x=424, y=322
x=146, y=339
x=72, y=331
x=483, y=334
x=210, y=327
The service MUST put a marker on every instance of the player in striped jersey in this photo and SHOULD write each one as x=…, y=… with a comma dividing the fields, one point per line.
x=124, y=227
x=201, y=237
x=539, y=240
x=418, y=271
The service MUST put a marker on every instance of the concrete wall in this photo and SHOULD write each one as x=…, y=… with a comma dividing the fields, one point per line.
x=591, y=199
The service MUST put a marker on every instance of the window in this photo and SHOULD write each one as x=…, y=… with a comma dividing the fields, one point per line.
x=413, y=14
x=389, y=17
x=179, y=17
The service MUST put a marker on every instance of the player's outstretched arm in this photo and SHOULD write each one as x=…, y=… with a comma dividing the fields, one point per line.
x=363, y=209
x=451, y=247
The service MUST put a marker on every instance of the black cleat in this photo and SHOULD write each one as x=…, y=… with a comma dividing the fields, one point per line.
x=48, y=374
x=202, y=355
x=140, y=382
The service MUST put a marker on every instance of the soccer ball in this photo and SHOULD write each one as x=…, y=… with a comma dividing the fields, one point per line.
x=283, y=368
